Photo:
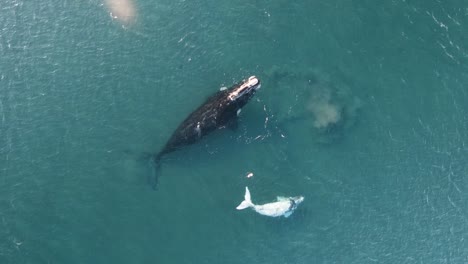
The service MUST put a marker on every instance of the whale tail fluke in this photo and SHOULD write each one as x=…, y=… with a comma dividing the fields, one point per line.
x=247, y=201
x=152, y=161
x=155, y=163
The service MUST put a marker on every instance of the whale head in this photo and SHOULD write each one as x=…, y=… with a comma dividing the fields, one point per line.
x=245, y=89
x=296, y=201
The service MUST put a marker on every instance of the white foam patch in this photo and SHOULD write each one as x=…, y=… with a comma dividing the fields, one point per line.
x=122, y=10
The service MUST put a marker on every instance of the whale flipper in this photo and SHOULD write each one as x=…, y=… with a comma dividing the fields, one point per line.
x=233, y=124
x=282, y=198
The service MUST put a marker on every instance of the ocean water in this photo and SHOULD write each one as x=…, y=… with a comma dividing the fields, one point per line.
x=363, y=110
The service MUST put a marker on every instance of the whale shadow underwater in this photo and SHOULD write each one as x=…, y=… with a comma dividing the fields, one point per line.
x=219, y=111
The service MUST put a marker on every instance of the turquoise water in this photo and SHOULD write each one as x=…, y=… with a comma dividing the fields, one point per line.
x=363, y=110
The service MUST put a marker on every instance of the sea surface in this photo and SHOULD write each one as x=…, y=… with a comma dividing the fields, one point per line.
x=363, y=110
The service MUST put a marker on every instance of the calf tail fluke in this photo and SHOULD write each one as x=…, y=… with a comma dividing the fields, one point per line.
x=247, y=201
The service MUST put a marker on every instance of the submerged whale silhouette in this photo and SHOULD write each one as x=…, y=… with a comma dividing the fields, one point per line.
x=218, y=111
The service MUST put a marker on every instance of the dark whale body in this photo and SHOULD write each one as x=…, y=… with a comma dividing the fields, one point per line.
x=218, y=111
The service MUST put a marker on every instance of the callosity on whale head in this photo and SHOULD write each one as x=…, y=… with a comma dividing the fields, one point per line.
x=245, y=88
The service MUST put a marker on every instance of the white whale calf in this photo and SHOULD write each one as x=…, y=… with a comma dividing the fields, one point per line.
x=284, y=206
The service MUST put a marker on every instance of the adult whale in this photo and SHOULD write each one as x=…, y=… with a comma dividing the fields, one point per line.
x=218, y=111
